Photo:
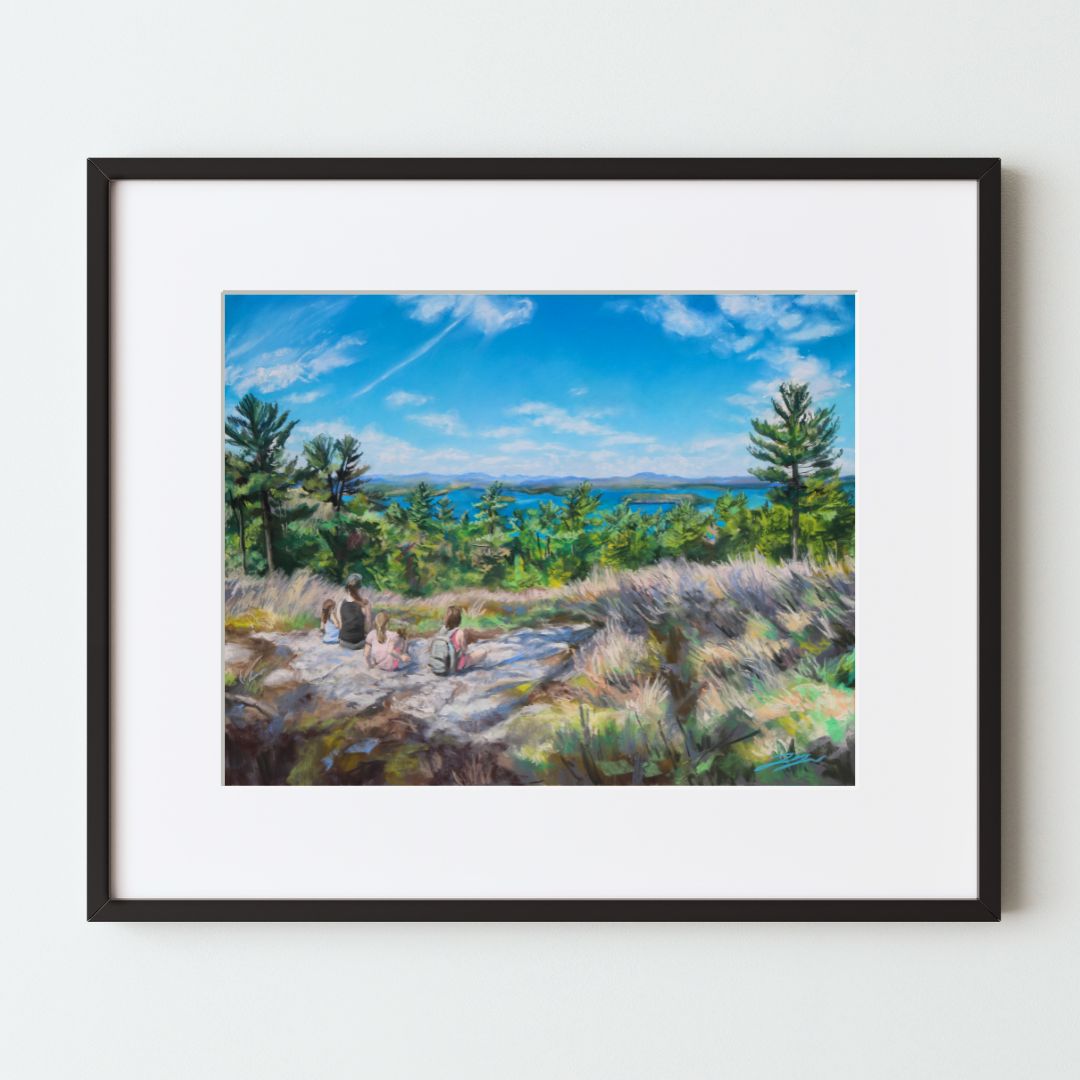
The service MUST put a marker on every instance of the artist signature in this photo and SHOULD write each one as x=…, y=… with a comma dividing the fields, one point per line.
x=788, y=760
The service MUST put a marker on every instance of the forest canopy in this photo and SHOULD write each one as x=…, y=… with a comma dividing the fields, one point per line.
x=318, y=510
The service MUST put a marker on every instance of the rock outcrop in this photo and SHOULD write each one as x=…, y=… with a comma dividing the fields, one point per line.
x=501, y=674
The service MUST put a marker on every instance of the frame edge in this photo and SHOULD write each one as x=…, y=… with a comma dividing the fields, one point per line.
x=102, y=907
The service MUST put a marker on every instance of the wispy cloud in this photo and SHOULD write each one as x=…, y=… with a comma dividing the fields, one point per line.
x=411, y=358
x=825, y=382
x=578, y=391
x=524, y=446
x=505, y=432
x=678, y=318
x=305, y=398
x=298, y=320
x=449, y=423
x=816, y=329
x=280, y=368
x=742, y=320
x=541, y=414
x=488, y=314
x=627, y=438
x=400, y=398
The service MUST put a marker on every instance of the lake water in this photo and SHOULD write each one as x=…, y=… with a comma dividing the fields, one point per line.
x=465, y=498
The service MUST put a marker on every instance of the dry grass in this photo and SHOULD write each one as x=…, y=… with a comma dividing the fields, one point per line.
x=687, y=656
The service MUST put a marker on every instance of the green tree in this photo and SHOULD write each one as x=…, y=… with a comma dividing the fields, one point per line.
x=738, y=527
x=350, y=473
x=628, y=538
x=444, y=512
x=421, y=505
x=258, y=431
x=686, y=532
x=799, y=445
x=578, y=504
x=490, y=505
x=237, y=498
x=320, y=453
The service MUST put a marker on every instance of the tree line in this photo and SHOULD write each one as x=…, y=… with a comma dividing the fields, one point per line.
x=318, y=510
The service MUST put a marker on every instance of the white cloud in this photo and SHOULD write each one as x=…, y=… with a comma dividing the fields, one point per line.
x=627, y=438
x=449, y=423
x=753, y=312
x=488, y=314
x=742, y=320
x=541, y=414
x=578, y=391
x=832, y=301
x=302, y=323
x=729, y=443
x=519, y=446
x=279, y=368
x=400, y=398
x=265, y=378
x=426, y=347
x=793, y=366
x=816, y=330
x=305, y=398
x=708, y=455
x=505, y=432
x=678, y=318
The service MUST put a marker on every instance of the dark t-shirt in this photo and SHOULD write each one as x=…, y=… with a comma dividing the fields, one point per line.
x=353, y=629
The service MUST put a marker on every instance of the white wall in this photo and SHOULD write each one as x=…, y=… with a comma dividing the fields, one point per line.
x=554, y=77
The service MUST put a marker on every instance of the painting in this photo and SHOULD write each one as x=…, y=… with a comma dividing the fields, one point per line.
x=539, y=539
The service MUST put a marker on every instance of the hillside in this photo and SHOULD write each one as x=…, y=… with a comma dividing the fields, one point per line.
x=680, y=673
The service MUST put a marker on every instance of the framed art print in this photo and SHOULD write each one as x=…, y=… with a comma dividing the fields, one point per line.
x=544, y=539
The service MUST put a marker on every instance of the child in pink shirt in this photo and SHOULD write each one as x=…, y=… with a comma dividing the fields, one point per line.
x=383, y=648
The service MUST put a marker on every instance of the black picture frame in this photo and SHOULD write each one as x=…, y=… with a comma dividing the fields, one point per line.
x=102, y=906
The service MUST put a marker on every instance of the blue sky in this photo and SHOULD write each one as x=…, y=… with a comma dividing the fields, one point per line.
x=542, y=384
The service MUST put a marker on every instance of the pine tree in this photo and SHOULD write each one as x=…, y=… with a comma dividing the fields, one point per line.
x=259, y=431
x=444, y=511
x=800, y=446
x=319, y=453
x=490, y=505
x=350, y=472
x=237, y=498
x=421, y=505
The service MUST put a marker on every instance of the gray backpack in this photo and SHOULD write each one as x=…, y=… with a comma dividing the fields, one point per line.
x=442, y=655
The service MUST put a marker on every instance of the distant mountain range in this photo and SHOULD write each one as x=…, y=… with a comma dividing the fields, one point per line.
x=637, y=482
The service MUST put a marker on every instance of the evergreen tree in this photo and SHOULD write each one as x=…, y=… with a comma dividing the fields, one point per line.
x=579, y=503
x=320, y=455
x=350, y=473
x=237, y=499
x=421, y=505
x=259, y=431
x=799, y=446
x=444, y=512
x=490, y=505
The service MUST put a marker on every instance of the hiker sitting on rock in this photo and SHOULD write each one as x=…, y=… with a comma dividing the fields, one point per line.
x=329, y=624
x=385, y=649
x=449, y=650
x=354, y=615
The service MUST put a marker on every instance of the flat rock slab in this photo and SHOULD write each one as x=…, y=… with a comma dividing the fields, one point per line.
x=237, y=654
x=502, y=674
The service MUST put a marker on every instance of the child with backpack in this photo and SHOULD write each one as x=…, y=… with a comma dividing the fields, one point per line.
x=449, y=650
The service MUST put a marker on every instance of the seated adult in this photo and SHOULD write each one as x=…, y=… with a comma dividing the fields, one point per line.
x=354, y=615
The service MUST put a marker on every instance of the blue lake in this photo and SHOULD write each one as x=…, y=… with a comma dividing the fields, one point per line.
x=644, y=500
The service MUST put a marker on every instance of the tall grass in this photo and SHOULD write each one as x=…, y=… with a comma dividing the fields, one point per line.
x=698, y=673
